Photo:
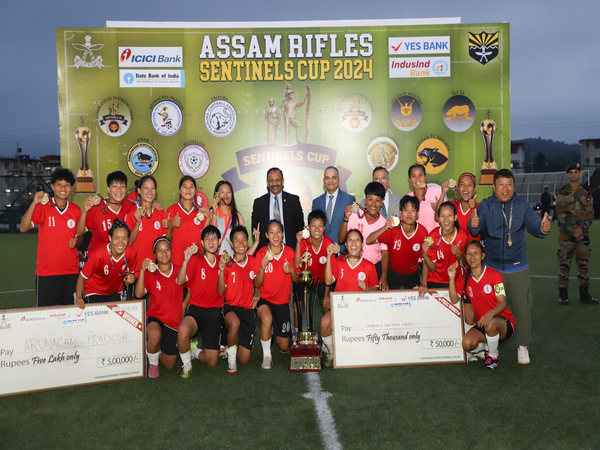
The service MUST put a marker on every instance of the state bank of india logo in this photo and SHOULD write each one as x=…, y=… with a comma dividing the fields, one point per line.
x=87, y=59
x=220, y=118
x=166, y=118
x=194, y=161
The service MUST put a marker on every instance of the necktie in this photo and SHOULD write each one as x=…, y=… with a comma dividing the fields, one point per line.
x=276, y=212
x=329, y=209
x=383, y=211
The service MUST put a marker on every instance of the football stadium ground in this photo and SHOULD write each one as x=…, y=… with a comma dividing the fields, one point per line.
x=551, y=403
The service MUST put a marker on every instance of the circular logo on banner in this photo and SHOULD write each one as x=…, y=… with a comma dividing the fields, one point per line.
x=166, y=118
x=382, y=152
x=355, y=112
x=433, y=154
x=220, y=118
x=406, y=113
x=142, y=159
x=459, y=113
x=440, y=67
x=194, y=161
x=487, y=289
x=71, y=223
x=362, y=276
x=322, y=259
x=114, y=116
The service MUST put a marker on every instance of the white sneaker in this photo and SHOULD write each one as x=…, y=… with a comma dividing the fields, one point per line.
x=522, y=355
x=471, y=357
x=328, y=359
x=187, y=370
x=231, y=366
x=267, y=362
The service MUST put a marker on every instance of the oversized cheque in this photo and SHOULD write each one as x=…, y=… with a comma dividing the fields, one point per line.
x=395, y=327
x=48, y=348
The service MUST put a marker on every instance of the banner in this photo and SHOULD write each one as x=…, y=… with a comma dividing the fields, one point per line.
x=375, y=328
x=47, y=348
x=231, y=102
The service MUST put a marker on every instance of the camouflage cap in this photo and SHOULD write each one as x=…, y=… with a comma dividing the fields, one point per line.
x=574, y=166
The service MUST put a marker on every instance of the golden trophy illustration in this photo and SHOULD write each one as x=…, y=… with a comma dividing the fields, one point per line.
x=305, y=349
x=85, y=178
x=489, y=166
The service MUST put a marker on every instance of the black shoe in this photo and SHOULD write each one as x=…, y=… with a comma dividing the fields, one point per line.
x=585, y=296
x=563, y=296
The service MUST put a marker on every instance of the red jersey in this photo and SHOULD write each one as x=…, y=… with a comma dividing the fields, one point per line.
x=188, y=233
x=150, y=229
x=202, y=281
x=99, y=223
x=56, y=229
x=441, y=254
x=347, y=277
x=316, y=264
x=277, y=285
x=239, y=283
x=166, y=296
x=463, y=219
x=104, y=274
x=483, y=291
x=404, y=251
x=134, y=197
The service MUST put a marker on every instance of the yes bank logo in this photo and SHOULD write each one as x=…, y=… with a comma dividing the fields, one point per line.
x=418, y=45
x=150, y=57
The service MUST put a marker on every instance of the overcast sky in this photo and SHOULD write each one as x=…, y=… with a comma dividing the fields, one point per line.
x=554, y=54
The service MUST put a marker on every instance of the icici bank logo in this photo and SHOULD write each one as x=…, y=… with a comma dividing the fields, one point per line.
x=126, y=54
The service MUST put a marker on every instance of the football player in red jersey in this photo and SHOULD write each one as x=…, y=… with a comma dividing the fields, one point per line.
x=353, y=273
x=57, y=265
x=465, y=193
x=484, y=290
x=107, y=269
x=164, y=306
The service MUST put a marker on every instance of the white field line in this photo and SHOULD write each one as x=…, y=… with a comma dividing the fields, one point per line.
x=324, y=417
x=20, y=290
x=556, y=277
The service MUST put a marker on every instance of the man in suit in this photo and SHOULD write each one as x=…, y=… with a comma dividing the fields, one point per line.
x=332, y=202
x=280, y=205
x=391, y=203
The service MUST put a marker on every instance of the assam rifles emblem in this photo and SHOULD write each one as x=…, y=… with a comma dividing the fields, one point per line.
x=483, y=47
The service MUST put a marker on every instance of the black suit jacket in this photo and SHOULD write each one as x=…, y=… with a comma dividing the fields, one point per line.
x=293, y=218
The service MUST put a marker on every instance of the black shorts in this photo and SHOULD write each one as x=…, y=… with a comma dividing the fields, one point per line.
x=97, y=298
x=438, y=286
x=509, y=329
x=282, y=324
x=168, y=341
x=398, y=281
x=56, y=290
x=247, y=324
x=209, y=321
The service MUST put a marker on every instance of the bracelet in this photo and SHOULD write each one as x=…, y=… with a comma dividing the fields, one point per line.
x=345, y=221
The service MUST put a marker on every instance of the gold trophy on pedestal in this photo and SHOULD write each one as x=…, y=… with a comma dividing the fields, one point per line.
x=489, y=166
x=85, y=178
x=305, y=349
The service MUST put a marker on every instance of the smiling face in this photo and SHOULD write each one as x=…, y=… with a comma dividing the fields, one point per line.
x=373, y=203
x=331, y=180
x=504, y=188
x=409, y=214
x=225, y=193
x=275, y=182
x=447, y=218
x=211, y=243
x=187, y=190
x=119, y=241
x=316, y=229
x=466, y=188
x=274, y=235
x=240, y=243
x=62, y=189
x=354, y=243
x=117, y=191
x=147, y=191
x=381, y=176
x=162, y=253
x=417, y=177
x=474, y=256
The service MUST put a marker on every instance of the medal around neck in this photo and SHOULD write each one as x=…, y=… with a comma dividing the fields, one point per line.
x=355, y=207
x=305, y=233
x=429, y=240
x=270, y=255
x=152, y=267
x=194, y=248
x=45, y=199
x=226, y=257
x=96, y=199
x=200, y=216
x=336, y=248
x=395, y=220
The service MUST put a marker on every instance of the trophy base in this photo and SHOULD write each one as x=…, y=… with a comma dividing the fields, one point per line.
x=85, y=185
x=305, y=358
x=487, y=177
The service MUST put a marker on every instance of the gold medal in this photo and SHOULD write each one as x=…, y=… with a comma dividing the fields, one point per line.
x=143, y=210
x=429, y=240
x=336, y=248
x=395, y=220
x=451, y=183
x=226, y=257
x=200, y=216
x=152, y=267
x=355, y=207
x=509, y=241
x=305, y=233
x=45, y=199
x=217, y=197
x=194, y=248
x=96, y=200
x=270, y=255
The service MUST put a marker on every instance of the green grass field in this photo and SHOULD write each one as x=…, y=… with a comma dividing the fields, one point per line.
x=551, y=403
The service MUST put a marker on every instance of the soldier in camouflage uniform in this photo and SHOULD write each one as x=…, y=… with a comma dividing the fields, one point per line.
x=575, y=212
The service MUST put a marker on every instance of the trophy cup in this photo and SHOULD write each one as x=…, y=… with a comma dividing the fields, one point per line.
x=305, y=349
x=489, y=166
x=85, y=178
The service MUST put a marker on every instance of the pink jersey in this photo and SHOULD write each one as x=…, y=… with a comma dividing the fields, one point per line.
x=347, y=277
x=56, y=229
x=426, y=212
x=104, y=274
x=277, y=285
x=100, y=223
x=188, y=233
x=150, y=229
x=463, y=219
x=239, y=283
x=203, y=278
x=370, y=252
x=316, y=264
x=441, y=254
x=404, y=251
x=166, y=296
